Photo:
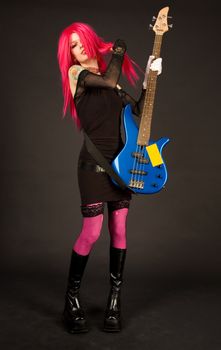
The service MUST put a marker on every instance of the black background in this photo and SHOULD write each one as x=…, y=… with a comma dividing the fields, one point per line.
x=173, y=236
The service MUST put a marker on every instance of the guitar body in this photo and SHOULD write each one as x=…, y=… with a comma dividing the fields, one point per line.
x=135, y=164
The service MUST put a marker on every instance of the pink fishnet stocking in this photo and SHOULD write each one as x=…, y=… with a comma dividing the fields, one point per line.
x=117, y=227
x=91, y=229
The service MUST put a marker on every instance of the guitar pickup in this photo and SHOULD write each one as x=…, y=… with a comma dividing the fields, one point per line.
x=138, y=172
x=140, y=158
x=136, y=184
x=137, y=155
x=143, y=161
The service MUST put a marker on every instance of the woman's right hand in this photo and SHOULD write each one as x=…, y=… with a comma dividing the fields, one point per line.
x=119, y=47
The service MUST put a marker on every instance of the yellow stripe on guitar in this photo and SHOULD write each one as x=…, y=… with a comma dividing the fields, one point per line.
x=154, y=154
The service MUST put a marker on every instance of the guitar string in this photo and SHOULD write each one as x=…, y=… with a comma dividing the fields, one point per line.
x=141, y=165
x=138, y=166
x=131, y=174
x=133, y=177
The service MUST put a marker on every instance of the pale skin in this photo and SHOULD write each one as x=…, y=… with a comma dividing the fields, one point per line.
x=77, y=50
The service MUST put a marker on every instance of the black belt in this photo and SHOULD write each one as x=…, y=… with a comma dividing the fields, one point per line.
x=90, y=166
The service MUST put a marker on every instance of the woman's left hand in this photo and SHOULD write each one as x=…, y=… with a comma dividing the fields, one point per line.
x=154, y=65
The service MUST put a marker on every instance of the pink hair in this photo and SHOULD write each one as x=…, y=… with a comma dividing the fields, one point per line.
x=94, y=46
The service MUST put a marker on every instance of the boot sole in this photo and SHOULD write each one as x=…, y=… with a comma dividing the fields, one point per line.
x=75, y=331
x=111, y=330
x=111, y=327
x=78, y=328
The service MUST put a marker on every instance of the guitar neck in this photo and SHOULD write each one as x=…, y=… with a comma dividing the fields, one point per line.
x=146, y=117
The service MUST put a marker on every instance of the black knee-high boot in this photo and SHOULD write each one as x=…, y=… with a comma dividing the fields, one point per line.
x=112, y=320
x=73, y=314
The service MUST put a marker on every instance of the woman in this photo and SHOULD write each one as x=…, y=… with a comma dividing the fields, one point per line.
x=91, y=89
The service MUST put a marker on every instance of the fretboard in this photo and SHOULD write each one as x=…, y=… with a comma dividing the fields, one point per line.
x=146, y=117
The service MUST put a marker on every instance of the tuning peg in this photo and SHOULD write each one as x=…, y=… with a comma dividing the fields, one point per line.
x=154, y=18
x=170, y=25
x=150, y=26
x=169, y=17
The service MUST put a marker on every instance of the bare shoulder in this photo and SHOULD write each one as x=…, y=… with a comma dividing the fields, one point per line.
x=74, y=71
x=73, y=74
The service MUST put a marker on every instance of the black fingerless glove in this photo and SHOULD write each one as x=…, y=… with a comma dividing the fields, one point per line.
x=119, y=47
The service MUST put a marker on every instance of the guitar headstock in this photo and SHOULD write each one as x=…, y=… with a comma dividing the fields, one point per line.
x=161, y=26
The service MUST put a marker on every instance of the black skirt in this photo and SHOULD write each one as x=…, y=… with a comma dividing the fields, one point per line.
x=98, y=187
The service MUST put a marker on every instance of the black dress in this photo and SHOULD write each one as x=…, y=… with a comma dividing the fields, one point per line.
x=99, y=105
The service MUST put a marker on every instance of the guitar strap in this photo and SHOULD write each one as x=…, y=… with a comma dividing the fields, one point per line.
x=102, y=161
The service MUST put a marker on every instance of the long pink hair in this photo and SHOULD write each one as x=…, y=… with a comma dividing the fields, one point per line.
x=94, y=46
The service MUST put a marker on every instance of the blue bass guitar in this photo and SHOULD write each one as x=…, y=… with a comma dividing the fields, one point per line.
x=141, y=168
x=140, y=163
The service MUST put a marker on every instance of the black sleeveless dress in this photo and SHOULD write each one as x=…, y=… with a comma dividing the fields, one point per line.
x=99, y=105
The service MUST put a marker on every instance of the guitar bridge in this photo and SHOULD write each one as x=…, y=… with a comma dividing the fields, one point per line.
x=136, y=184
